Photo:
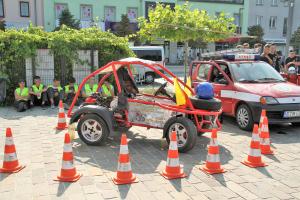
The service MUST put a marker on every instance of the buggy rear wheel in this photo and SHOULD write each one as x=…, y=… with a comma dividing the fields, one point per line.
x=185, y=130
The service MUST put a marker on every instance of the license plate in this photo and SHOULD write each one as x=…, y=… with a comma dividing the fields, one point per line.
x=291, y=114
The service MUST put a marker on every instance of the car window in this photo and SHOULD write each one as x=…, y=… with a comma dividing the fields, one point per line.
x=203, y=71
x=216, y=75
x=154, y=55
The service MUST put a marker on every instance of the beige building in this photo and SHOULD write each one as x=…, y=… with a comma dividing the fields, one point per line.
x=19, y=13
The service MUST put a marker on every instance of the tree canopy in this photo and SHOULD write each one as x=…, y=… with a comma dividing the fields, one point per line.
x=66, y=18
x=257, y=33
x=295, y=40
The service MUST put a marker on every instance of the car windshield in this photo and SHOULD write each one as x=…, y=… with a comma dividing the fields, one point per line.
x=255, y=72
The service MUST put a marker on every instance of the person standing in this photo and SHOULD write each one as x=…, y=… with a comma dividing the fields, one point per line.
x=274, y=57
x=258, y=48
x=265, y=55
x=38, y=93
x=55, y=93
x=22, y=102
x=291, y=57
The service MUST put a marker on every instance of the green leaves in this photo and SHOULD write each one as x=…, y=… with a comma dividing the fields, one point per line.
x=183, y=24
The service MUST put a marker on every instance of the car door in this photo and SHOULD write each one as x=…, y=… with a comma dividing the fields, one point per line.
x=222, y=82
x=200, y=73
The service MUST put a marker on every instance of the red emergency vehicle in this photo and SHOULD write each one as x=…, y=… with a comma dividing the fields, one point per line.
x=246, y=85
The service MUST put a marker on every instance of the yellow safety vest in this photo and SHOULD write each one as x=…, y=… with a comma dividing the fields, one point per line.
x=88, y=90
x=23, y=93
x=105, y=89
x=38, y=89
x=67, y=88
x=59, y=87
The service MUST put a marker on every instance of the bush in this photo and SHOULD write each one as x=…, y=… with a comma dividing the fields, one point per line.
x=17, y=45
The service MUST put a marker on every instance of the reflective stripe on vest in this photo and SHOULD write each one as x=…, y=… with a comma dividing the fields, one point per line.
x=67, y=88
x=88, y=90
x=36, y=89
x=106, y=91
x=59, y=87
x=23, y=93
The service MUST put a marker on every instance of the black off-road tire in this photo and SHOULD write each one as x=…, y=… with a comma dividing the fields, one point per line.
x=101, y=122
x=204, y=104
x=190, y=129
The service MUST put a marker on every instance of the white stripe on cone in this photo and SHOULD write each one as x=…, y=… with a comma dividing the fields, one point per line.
x=9, y=141
x=264, y=128
x=124, y=167
x=10, y=157
x=61, y=120
x=173, y=145
x=265, y=141
x=213, y=158
x=172, y=162
x=255, y=138
x=68, y=148
x=61, y=110
x=124, y=149
x=67, y=164
x=255, y=152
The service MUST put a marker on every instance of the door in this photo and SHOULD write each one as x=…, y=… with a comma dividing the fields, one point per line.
x=200, y=73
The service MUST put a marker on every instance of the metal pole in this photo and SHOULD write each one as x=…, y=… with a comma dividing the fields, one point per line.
x=289, y=25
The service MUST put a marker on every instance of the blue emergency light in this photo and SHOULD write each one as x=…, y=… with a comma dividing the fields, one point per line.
x=241, y=57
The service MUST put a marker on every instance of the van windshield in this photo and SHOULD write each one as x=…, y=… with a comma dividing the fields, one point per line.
x=255, y=72
x=154, y=55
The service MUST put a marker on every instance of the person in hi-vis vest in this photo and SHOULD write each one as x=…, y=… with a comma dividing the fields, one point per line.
x=22, y=97
x=70, y=91
x=107, y=89
x=38, y=93
x=55, y=93
x=89, y=88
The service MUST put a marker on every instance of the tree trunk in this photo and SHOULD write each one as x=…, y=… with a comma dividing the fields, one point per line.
x=185, y=58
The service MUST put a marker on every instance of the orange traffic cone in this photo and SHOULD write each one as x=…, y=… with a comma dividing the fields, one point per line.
x=68, y=171
x=173, y=169
x=265, y=137
x=254, y=156
x=262, y=116
x=10, y=161
x=124, y=173
x=61, y=124
x=213, y=165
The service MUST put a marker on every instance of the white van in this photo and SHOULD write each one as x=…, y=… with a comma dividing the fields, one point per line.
x=153, y=53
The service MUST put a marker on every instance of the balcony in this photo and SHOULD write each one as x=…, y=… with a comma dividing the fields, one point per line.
x=241, y=2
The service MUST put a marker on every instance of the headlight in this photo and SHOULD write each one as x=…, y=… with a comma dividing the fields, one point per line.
x=268, y=100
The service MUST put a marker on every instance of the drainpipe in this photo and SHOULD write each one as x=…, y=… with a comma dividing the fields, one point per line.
x=35, y=13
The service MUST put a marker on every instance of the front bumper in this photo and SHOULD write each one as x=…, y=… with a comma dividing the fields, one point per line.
x=274, y=112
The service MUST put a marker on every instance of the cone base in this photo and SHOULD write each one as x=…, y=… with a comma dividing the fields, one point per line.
x=267, y=152
x=14, y=170
x=117, y=181
x=169, y=176
x=61, y=128
x=253, y=165
x=212, y=171
x=75, y=178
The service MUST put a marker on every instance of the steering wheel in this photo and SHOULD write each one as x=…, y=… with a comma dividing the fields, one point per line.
x=161, y=89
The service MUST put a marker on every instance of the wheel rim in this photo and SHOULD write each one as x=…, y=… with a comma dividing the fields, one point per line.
x=181, y=134
x=91, y=130
x=243, y=117
x=149, y=78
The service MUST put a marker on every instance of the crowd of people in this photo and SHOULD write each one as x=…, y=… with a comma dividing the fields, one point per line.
x=41, y=95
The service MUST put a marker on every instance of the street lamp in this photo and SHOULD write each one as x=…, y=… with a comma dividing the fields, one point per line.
x=291, y=4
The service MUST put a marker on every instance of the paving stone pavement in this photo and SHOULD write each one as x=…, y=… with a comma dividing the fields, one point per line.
x=39, y=147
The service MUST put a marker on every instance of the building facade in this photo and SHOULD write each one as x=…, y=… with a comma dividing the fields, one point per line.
x=19, y=14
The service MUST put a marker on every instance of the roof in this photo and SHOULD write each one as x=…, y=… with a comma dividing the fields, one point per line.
x=146, y=47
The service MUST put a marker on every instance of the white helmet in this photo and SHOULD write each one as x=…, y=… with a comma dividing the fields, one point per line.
x=292, y=70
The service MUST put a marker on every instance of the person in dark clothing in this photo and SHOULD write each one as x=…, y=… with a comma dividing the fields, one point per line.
x=274, y=57
x=38, y=93
x=55, y=93
x=291, y=58
x=70, y=91
x=22, y=102
x=265, y=55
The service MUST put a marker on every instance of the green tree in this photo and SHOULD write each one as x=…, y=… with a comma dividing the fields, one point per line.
x=2, y=25
x=182, y=24
x=66, y=18
x=256, y=34
x=123, y=28
x=295, y=40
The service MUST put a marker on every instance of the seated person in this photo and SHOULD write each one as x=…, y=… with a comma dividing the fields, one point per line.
x=89, y=88
x=130, y=89
x=107, y=89
x=217, y=76
x=22, y=97
x=70, y=91
x=55, y=93
x=127, y=84
x=38, y=93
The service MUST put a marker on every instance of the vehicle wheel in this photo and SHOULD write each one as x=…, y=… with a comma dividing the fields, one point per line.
x=204, y=104
x=186, y=132
x=296, y=123
x=244, y=117
x=92, y=129
x=149, y=78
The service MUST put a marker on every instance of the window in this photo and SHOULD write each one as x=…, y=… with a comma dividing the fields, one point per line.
x=154, y=55
x=274, y=2
x=59, y=8
x=259, y=20
x=110, y=13
x=203, y=71
x=284, y=31
x=273, y=22
x=24, y=9
x=86, y=12
x=236, y=19
x=132, y=14
x=1, y=9
x=259, y=2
